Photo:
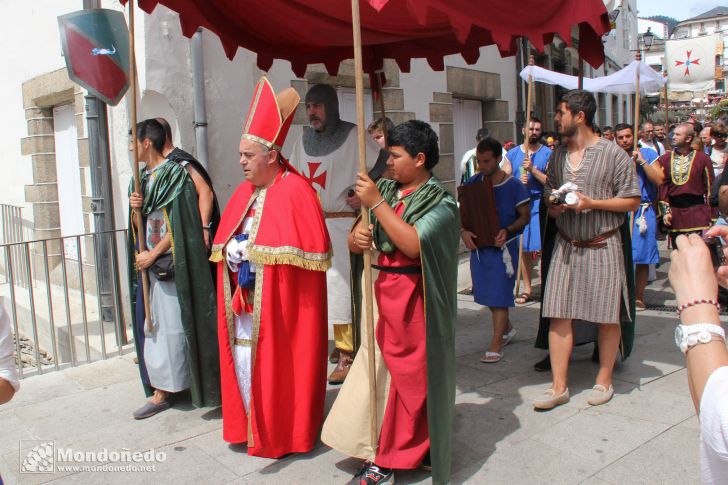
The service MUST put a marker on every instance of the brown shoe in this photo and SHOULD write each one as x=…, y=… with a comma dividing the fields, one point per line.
x=342, y=369
x=334, y=356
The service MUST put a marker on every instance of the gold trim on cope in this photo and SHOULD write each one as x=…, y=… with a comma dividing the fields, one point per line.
x=681, y=166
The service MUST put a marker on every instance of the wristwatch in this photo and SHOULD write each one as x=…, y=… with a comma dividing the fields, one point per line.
x=688, y=336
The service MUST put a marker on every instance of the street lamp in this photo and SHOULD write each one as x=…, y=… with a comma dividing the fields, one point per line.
x=648, y=38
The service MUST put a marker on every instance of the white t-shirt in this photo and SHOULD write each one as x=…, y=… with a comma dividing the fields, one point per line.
x=8, y=371
x=714, y=428
x=657, y=146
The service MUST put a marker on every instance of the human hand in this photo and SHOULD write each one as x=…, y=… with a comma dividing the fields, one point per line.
x=667, y=219
x=500, y=238
x=691, y=269
x=363, y=236
x=524, y=178
x=556, y=210
x=583, y=203
x=353, y=202
x=144, y=260
x=367, y=190
x=468, y=238
x=638, y=158
x=527, y=164
x=206, y=236
x=136, y=200
x=234, y=253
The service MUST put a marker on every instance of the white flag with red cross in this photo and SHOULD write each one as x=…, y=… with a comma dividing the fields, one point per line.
x=691, y=63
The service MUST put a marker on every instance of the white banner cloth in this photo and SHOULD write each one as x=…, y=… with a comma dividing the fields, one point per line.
x=621, y=82
x=691, y=63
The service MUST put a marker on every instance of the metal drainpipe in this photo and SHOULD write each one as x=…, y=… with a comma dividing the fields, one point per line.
x=198, y=86
x=102, y=205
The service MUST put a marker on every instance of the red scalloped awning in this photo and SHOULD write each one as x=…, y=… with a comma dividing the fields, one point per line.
x=319, y=31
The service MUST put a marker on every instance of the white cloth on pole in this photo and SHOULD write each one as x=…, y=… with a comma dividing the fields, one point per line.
x=620, y=82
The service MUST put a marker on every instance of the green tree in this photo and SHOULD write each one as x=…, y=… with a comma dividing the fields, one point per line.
x=720, y=109
x=671, y=23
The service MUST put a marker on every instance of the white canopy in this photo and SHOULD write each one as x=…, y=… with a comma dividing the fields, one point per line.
x=621, y=82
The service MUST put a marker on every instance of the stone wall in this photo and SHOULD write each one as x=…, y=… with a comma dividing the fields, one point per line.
x=40, y=95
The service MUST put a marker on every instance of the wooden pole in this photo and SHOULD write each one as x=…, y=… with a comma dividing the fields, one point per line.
x=137, y=185
x=635, y=131
x=368, y=310
x=637, y=102
x=667, y=112
x=383, y=115
x=521, y=272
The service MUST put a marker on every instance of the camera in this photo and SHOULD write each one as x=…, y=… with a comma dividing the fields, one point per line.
x=717, y=256
x=568, y=198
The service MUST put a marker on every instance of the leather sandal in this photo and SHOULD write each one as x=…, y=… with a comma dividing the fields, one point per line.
x=342, y=368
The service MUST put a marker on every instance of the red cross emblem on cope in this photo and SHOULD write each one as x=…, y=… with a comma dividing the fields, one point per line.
x=312, y=178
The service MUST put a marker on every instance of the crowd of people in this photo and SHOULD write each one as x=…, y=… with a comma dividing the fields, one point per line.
x=250, y=331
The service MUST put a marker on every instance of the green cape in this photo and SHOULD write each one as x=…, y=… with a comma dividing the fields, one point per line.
x=175, y=192
x=434, y=214
x=549, y=233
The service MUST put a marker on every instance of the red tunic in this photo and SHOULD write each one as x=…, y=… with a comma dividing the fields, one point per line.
x=288, y=385
x=401, y=335
x=692, y=178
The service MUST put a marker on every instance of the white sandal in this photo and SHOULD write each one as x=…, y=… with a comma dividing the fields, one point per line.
x=491, y=357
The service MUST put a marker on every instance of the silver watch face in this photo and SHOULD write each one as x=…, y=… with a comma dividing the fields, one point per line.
x=678, y=335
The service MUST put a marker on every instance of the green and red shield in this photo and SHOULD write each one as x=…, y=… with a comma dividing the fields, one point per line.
x=96, y=47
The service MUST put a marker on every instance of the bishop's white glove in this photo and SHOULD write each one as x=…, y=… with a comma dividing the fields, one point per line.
x=236, y=253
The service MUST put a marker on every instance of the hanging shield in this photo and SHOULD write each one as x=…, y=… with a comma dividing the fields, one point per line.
x=96, y=47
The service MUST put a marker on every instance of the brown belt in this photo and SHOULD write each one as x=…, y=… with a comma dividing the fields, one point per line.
x=245, y=342
x=338, y=215
x=599, y=241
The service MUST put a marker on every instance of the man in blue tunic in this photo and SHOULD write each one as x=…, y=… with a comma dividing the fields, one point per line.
x=493, y=268
x=644, y=225
x=532, y=173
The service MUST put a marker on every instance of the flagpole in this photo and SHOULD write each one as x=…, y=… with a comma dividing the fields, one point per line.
x=141, y=241
x=667, y=111
x=637, y=101
x=529, y=103
x=383, y=116
x=368, y=302
x=635, y=130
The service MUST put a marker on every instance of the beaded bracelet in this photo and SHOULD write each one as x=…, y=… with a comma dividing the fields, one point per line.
x=702, y=301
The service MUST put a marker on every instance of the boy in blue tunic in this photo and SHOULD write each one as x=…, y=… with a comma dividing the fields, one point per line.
x=644, y=225
x=493, y=269
x=533, y=174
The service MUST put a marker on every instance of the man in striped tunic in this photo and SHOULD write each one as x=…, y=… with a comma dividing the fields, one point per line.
x=587, y=279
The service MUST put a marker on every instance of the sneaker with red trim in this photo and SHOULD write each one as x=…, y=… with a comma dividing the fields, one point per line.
x=375, y=475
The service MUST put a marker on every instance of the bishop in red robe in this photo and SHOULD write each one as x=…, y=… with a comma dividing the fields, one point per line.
x=272, y=251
